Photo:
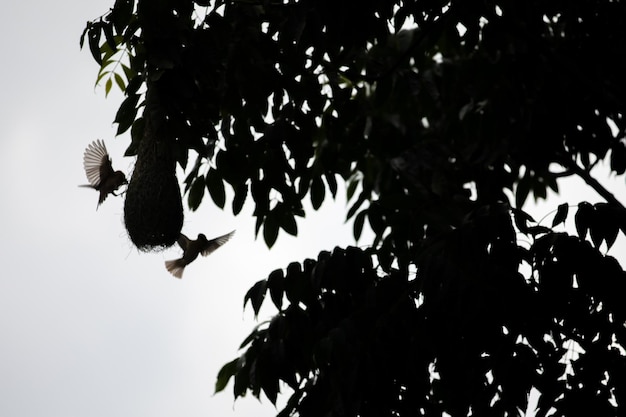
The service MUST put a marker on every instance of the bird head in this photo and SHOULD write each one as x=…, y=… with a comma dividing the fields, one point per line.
x=120, y=178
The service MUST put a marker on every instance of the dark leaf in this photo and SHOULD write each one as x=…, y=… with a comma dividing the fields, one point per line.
x=241, y=193
x=359, y=221
x=215, y=185
x=521, y=220
x=107, y=28
x=275, y=283
x=270, y=229
x=125, y=116
x=611, y=235
x=224, y=375
x=119, y=81
x=582, y=219
x=357, y=204
x=257, y=333
x=121, y=14
x=94, y=34
x=561, y=214
x=242, y=381
x=353, y=183
x=318, y=190
x=256, y=295
x=107, y=86
x=136, y=134
x=522, y=190
x=618, y=158
x=288, y=223
x=196, y=192
x=332, y=183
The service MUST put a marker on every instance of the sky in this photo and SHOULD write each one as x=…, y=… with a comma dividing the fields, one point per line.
x=90, y=326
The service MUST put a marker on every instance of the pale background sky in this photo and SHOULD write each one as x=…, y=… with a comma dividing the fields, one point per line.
x=89, y=326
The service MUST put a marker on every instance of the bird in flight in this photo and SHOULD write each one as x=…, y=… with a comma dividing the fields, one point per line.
x=191, y=250
x=99, y=170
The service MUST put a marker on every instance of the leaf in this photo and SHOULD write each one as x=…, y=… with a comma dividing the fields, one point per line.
x=224, y=375
x=561, y=214
x=522, y=190
x=618, y=158
x=352, y=184
x=521, y=220
x=376, y=220
x=538, y=230
x=107, y=86
x=241, y=193
x=359, y=202
x=215, y=185
x=196, y=192
x=582, y=219
x=125, y=115
x=604, y=224
x=129, y=73
x=611, y=235
x=275, y=283
x=121, y=14
x=359, y=221
x=106, y=53
x=107, y=28
x=295, y=283
x=255, y=334
x=317, y=192
x=94, y=34
x=270, y=229
x=332, y=183
x=270, y=384
x=119, y=81
x=242, y=380
x=288, y=223
x=82, y=36
x=256, y=295
x=136, y=134
x=101, y=75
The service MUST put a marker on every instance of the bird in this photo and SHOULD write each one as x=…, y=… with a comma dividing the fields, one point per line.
x=191, y=250
x=99, y=170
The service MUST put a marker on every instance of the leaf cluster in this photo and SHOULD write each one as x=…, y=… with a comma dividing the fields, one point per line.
x=467, y=334
x=443, y=118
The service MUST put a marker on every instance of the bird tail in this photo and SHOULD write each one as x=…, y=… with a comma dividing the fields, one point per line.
x=175, y=267
x=86, y=186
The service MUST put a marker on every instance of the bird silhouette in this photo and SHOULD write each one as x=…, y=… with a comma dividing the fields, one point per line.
x=99, y=170
x=191, y=250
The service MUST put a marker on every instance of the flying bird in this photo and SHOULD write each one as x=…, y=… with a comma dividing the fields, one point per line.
x=99, y=170
x=191, y=250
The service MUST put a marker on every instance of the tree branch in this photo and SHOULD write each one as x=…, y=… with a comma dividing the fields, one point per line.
x=592, y=182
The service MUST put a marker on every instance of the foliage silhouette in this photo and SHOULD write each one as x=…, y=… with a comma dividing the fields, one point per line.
x=442, y=117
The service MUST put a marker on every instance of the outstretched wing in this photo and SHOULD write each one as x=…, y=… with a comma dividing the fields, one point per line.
x=183, y=241
x=97, y=162
x=213, y=244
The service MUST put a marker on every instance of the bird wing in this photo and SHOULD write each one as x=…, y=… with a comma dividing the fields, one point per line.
x=213, y=244
x=183, y=241
x=97, y=162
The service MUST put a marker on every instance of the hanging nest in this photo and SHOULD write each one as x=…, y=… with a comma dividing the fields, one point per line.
x=153, y=209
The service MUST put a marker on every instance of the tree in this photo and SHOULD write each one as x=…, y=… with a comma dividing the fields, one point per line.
x=442, y=117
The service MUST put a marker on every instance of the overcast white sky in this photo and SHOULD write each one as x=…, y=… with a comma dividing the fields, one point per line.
x=89, y=326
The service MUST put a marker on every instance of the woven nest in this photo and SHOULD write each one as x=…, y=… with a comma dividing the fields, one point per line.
x=153, y=210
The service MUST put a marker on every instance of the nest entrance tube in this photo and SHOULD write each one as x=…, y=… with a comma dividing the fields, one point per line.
x=153, y=209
